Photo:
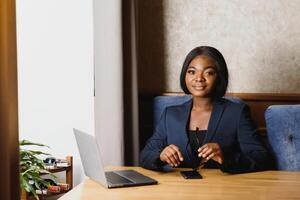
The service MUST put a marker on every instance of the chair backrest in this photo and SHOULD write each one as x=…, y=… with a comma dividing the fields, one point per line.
x=161, y=102
x=283, y=132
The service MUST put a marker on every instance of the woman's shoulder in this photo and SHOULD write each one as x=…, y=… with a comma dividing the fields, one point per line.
x=180, y=106
x=233, y=109
x=230, y=103
x=233, y=103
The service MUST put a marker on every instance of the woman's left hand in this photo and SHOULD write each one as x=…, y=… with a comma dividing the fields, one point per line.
x=211, y=151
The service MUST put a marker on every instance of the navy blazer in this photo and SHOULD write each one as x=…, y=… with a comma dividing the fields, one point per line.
x=230, y=126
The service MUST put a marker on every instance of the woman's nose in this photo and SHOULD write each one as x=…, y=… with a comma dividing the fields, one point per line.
x=200, y=77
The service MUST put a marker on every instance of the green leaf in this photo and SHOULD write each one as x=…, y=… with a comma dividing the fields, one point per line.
x=24, y=162
x=38, y=152
x=44, y=183
x=45, y=172
x=23, y=184
x=29, y=188
x=30, y=154
x=32, y=168
x=37, y=185
x=26, y=142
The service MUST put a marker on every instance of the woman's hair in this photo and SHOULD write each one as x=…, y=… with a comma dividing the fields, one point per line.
x=220, y=64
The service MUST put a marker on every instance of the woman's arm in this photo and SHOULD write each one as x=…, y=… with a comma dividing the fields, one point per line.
x=253, y=155
x=150, y=155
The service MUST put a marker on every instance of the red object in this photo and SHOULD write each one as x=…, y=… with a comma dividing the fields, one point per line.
x=64, y=186
x=54, y=189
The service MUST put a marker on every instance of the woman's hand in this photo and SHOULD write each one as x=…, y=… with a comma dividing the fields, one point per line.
x=171, y=155
x=211, y=151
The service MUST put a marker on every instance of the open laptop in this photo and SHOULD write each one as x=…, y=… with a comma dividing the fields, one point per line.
x=93, y=166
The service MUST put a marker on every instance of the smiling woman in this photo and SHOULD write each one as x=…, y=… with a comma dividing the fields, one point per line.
x=212, y=62
x=9, y=156
x=200, y=78
x=208, y=130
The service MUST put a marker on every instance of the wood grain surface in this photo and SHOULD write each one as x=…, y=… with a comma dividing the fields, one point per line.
x=214, y=185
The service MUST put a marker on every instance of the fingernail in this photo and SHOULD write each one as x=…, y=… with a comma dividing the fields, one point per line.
x=181, y=159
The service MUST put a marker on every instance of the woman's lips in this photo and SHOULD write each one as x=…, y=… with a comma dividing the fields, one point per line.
x=198, y=87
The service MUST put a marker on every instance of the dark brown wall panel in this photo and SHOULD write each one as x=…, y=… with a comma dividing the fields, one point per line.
x=9, y=148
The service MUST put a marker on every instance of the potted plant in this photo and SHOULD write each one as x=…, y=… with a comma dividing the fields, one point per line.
x=31, y=168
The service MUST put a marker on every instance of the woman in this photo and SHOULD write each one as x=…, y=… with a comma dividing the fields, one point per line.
x=208, y=130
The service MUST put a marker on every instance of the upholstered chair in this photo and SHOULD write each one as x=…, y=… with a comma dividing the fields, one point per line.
x=161, y=102
x=283, y=132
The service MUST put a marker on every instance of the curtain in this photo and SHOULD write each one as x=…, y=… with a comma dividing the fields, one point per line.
x=130, y=82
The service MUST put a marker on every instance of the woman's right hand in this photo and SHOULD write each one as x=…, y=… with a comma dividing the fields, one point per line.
x=171, y=155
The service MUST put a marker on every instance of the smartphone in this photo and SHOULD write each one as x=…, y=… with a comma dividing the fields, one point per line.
x=193, y=174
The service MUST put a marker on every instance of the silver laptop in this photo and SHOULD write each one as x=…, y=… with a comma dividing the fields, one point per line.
x=93, y=166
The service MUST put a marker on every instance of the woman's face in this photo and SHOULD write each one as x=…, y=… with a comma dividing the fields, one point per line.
x=201, y=76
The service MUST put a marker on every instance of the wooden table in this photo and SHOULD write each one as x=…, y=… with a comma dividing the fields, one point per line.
x=214, y=185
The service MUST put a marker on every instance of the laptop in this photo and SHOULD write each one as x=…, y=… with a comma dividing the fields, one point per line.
x=94, y=169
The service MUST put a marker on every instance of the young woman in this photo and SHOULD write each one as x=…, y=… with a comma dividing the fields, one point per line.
x=208, y=130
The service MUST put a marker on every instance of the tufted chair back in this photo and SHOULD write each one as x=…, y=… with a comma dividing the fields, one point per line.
x=161, y=102
x=283, y=132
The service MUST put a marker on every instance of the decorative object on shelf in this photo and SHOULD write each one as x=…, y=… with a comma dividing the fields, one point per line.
x=31, y=169
x=52, y=163
x=62, y=163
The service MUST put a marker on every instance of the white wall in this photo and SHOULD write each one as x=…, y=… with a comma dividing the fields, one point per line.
x=108, y=80
x=55, y=69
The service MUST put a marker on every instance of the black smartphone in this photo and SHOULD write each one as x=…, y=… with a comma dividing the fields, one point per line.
x=193, y=174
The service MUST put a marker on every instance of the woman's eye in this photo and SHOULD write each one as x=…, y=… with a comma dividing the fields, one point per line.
x=191, y=72
x=210, y=73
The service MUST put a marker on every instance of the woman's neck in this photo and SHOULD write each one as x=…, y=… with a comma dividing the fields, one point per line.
x=200, y=103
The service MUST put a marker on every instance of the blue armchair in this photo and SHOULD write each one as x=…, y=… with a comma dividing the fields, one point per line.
x=161, y=102
x=283, y=132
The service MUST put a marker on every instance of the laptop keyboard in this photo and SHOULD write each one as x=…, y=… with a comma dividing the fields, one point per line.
x=114, y=178
x=133, y=176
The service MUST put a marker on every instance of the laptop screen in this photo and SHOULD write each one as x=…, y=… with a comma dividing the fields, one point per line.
x=90, y=157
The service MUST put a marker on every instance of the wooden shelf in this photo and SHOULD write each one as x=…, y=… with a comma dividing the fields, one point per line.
x=45, y=196
x=50, y=194
x=69, y=180
x=57, y=169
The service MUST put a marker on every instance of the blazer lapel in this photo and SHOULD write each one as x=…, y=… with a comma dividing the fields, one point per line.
x=184, y=119
x=217, y=111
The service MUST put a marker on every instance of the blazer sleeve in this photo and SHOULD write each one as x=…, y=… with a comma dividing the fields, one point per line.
x=149, y=157
x=252, y=155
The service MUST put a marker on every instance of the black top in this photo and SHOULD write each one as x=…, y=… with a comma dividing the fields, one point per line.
x=196, y=139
